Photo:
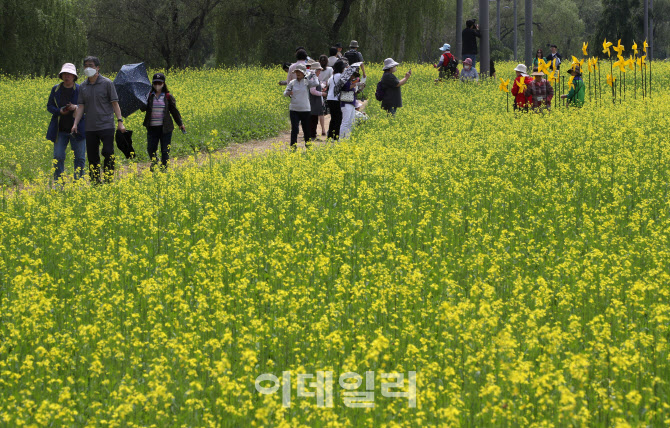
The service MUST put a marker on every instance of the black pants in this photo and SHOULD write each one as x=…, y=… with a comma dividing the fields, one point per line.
x=93, y=139
x=335, y=119
x=299, y=118
x=155, y=135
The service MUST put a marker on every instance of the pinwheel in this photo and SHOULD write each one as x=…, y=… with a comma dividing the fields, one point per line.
x=551, y=78
x=619, y=48
x=585, y=47
x=542, y=66
x=570, y=84
x=645, y=46
x=634, y=47
x=606, y=47
x=522, y=85
x=621, y=63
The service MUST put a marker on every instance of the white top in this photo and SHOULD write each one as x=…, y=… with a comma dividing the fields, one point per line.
x=331, y=87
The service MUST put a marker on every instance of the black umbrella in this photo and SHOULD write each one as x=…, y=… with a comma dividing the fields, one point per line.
x=132, y=86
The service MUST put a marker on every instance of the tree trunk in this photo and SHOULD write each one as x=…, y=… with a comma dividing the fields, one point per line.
x=341, y=17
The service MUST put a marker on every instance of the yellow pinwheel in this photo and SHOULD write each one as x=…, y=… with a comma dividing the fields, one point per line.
x=645, y=46
x=610, y=79
x=595, y=63
x=553, y=63
x=570, y=85
x=606, y=47
x=621, y=63
x=619, y=48
x=504, y=85
x=585, y=47
x=634, y=47
x=522, y=85
x=640, y=62
x=630, y=62
x=551, y=78
x=590, y=65
x=542, y=66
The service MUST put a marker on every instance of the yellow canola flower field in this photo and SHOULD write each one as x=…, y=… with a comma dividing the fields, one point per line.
x=519, y=264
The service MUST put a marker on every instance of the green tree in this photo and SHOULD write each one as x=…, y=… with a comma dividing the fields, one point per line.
x=38, y=36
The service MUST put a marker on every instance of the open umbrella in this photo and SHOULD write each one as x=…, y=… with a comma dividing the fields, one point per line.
x=345, y=76
x=132, y=86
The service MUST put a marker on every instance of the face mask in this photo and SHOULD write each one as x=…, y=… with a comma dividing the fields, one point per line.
x=467, y=67
x=158, y=86
x=90, y=72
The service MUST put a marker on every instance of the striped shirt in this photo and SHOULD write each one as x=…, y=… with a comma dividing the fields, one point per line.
x=158, y=110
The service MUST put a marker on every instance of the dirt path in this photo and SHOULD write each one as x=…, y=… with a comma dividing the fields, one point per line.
x=282, y=140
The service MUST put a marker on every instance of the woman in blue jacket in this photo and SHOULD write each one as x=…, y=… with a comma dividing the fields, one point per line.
x=62, y=104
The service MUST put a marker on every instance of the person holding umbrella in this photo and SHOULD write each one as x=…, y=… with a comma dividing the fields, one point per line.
x=62, y=104
x=98, y=99
x=160, y=110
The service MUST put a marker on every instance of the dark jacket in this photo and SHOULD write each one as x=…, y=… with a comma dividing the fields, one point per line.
x=54, y=105
x=550, y=58
x=168, y=125
x=469, y=36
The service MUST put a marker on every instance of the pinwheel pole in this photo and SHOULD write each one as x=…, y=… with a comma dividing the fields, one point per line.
x=589, y=80
x=650, y=77
x=613, y=88
x=619, y=85
x=634, y=78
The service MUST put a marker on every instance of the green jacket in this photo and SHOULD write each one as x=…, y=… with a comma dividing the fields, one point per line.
x=576, y=94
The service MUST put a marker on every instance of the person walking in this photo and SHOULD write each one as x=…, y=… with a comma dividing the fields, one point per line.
x=98, y=99
x=300, y=108
x=316, y=95
x=391, y=86
x=324, y=76
x=333, y=102
x=160, y=110
x=301, y=59
x=539, y=93
x=348, y=105
x=469, y=73
x=448, y=65
x=576, y=95
x=469, y=36
x=339, y=54
x=554, y=55
x=520, y=102
x=62, y=104
x=353, y=56
x=332, y=59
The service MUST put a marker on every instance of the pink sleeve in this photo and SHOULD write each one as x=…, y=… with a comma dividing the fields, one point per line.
x=315, y=91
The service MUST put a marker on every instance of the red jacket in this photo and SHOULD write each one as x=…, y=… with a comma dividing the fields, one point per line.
x=520, y=97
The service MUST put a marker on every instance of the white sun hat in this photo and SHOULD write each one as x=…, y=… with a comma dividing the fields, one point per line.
x=390, y=63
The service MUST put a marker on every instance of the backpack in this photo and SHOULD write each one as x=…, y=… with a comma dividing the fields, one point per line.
x=352, y=56
x=380, y=93
x=452, y=66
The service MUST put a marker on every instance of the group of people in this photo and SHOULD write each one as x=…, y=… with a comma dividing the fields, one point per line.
x=332, y=86
x=536, y=93
x=83, y=117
